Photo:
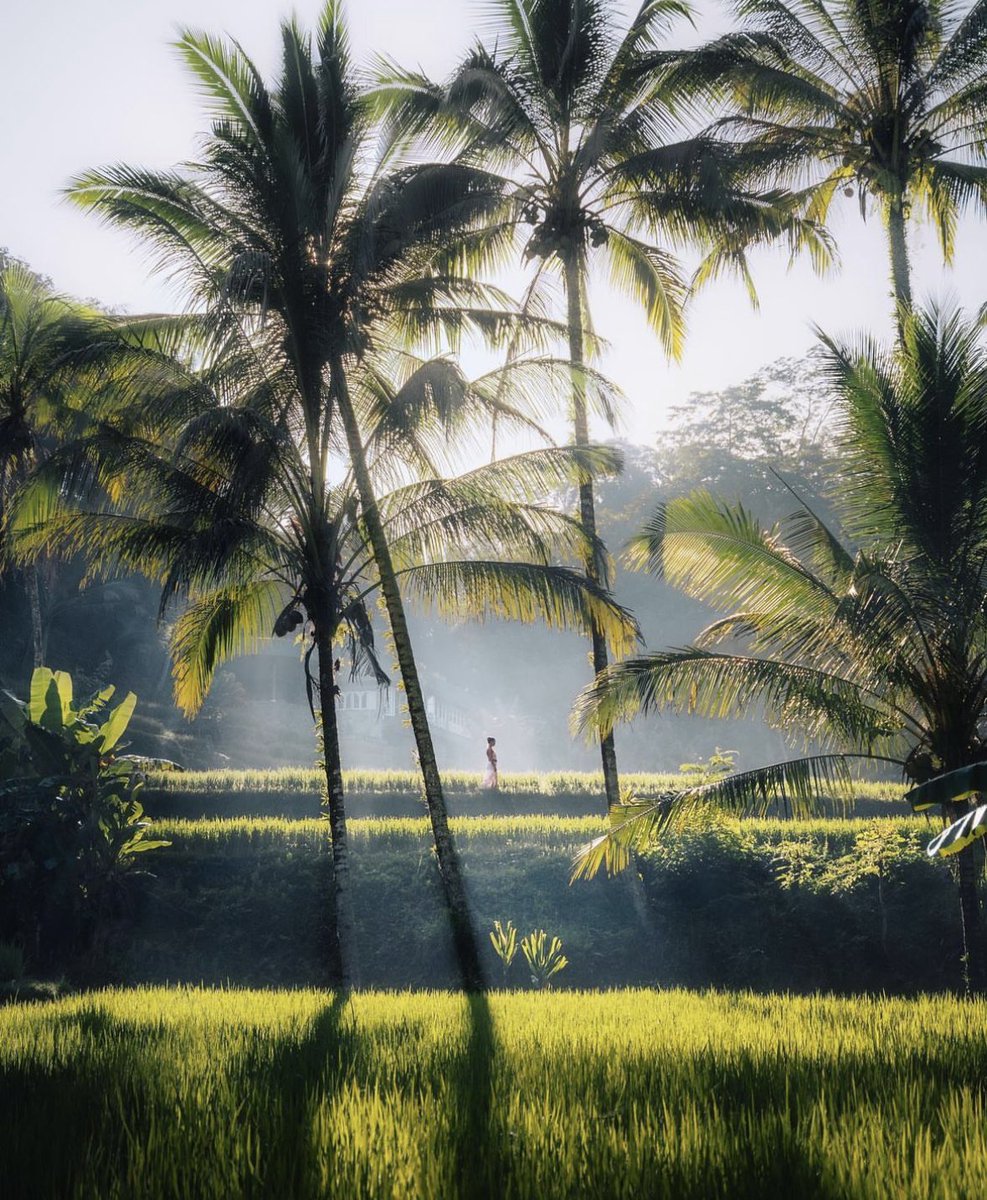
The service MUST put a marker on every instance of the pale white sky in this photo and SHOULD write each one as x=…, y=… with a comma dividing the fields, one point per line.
x=90, y=82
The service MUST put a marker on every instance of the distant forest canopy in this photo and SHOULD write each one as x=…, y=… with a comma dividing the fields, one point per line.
x=759, y=441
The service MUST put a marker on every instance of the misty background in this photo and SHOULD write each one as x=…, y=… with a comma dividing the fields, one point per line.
x=760, y=441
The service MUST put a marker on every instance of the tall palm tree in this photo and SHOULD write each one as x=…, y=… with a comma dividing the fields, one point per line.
x=213, y=505
x=574, y=112
x=287, y=223
x=887, y=99
x=872, y=642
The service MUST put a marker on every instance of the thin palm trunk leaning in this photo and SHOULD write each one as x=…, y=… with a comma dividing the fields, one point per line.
x=901, y=280
x=587, y=507
x=968, y=874
x=464, y=933
x=871, y=640
x=343, y=926
x=32, y=576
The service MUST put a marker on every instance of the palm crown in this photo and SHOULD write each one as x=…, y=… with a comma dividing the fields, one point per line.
x=873, y=642
x=575, y=115
x=887, y=99
x=584, y=121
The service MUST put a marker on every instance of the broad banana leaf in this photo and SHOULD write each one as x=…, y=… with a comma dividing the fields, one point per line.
x=960, y=834
x=945, y=789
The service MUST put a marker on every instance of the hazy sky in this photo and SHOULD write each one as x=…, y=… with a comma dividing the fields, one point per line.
x=90, y=82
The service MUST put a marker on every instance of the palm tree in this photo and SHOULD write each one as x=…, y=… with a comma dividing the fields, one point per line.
x=872, y=643
x=288, y=224
x=885, y=99
x=47, y=344
x=575, y=114
x=213, y=506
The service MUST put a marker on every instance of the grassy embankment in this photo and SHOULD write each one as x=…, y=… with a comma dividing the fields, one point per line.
x=156, y=1094
x=774, y=905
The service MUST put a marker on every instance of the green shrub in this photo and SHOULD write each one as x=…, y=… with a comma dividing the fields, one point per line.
x=71, y=825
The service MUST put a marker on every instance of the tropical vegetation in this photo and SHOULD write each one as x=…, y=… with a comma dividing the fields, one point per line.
x=867, y=638
x=883, y=101
x=71, y=823
x=294, y=452
x=303, y=308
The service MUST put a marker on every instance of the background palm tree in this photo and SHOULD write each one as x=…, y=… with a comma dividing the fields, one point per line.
x=885, y=99
x=873, y=642
x=574, y=112
x=54, y=354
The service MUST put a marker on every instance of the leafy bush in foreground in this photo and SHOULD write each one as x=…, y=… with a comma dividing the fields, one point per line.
x=71, y=825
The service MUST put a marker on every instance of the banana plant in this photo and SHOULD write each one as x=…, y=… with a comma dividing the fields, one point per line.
x=71, y=823
x=504, y=941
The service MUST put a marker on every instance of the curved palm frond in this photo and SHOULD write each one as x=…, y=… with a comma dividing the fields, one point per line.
x=518, y=591
x=798, y=787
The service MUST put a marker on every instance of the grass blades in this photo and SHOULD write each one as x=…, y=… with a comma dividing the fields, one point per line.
x=382, y=783
x=184, y=1092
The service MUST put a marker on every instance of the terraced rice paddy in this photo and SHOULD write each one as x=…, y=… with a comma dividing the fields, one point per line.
x=370, y=782
x=535, y=1096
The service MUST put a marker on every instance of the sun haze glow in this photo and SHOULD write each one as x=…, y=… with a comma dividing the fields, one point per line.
x=112, y=90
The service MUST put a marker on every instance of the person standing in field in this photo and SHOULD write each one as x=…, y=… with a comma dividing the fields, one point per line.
x=490, y=779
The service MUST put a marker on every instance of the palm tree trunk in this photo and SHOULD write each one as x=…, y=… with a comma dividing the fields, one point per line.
x=465, y=941
x=344, y=930
x=901, y=285
x=32, y=582
x=587, y=508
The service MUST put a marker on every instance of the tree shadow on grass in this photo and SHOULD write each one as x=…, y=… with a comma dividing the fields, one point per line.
x=302, y=1075
x=283, y=1087
x=479, y=1155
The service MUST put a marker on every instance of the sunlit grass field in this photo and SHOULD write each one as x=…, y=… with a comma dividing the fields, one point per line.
x=189, y=1093
x=368, y=782
x=548, y=829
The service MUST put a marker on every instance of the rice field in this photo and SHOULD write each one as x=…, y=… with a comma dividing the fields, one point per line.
x=581, y=784
x=546, y=830
x=534, y=1096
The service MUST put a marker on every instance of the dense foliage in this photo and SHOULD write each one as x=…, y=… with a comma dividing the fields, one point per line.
x=869, y=635
x=71, y=825
x=773, y=905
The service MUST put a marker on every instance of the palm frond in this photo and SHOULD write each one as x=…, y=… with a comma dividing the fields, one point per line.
x=516, y=591
x=798, y=788
x=216, y=627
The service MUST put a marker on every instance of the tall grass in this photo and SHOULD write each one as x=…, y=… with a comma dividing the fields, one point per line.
x=407, y=783
x=537, y=829
x=180, y=1093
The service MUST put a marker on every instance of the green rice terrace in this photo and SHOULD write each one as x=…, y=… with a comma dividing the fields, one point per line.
x=167, y=1093
x=180, y=1082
